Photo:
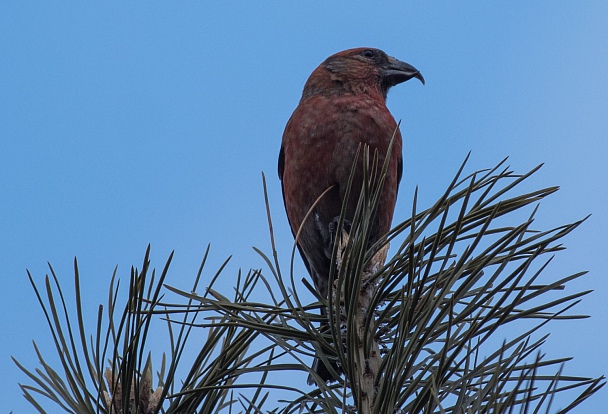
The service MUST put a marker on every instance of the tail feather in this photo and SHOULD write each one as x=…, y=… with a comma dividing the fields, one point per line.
x=324, y=372
x=318, y=366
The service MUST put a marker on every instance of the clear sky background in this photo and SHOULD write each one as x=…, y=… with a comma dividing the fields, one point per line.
x=123, y=124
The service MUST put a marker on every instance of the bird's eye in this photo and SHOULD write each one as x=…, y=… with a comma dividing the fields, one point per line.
x=368, y=53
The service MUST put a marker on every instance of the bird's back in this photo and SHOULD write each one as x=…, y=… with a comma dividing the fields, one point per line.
x=319, y=147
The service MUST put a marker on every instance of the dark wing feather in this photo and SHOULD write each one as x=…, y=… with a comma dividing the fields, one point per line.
x=281, y=164
x=281, y=168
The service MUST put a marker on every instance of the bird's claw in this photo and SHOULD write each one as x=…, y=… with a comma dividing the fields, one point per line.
x=333, y=229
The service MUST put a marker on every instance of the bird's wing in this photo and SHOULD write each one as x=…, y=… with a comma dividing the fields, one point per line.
x=399, y=169
x=281, y=168
x=281, y=164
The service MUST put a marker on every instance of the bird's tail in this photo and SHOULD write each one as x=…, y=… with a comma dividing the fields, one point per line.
x=323, y=371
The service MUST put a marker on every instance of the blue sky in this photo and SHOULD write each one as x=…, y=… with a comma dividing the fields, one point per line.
x=124, y=124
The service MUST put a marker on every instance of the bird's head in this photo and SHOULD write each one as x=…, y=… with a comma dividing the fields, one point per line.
x=360, y=70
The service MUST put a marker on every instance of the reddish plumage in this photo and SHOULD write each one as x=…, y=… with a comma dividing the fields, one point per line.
x=342, y=106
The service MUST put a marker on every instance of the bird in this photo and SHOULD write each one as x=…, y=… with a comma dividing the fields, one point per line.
x=343, y=106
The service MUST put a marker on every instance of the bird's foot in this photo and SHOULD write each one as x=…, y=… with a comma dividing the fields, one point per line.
x=333, y=229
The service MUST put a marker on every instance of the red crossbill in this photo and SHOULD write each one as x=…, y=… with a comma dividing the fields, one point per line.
x=343, y=105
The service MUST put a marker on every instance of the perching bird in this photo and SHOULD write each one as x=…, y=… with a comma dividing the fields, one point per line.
x=343, y=105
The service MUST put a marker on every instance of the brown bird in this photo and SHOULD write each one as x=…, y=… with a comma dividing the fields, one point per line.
x=343, y=105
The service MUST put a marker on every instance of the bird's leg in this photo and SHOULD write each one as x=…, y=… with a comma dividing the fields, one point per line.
x=333, y=229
